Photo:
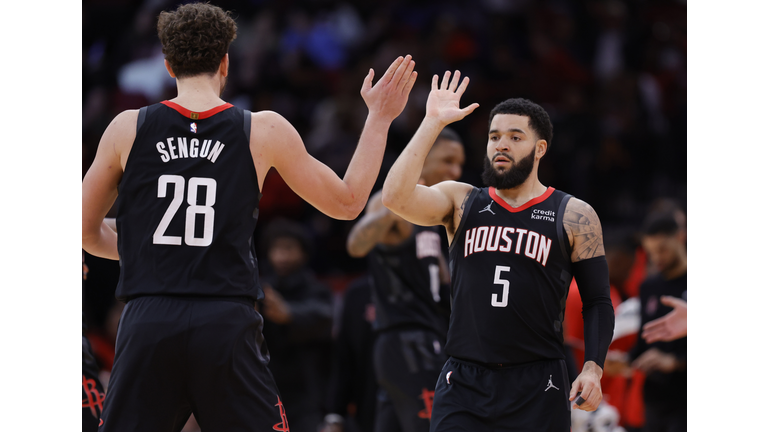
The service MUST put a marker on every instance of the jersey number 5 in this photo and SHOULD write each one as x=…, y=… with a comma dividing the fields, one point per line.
x=505, y=290
x=192, y=211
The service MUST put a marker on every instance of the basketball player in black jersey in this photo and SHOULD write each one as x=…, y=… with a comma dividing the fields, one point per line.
x=514, y=247
x=409, y=276
x=189, y=172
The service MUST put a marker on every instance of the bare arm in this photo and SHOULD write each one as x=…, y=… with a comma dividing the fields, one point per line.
x=402, y=194
x=585, y=233
x=100, y=185
x=275, y=143
x=379, y=225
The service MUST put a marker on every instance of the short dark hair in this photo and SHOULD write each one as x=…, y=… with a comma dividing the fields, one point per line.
x=195, y=37
x=449, y=134
x=286, y=228
x=538, y=119
x=661, y=222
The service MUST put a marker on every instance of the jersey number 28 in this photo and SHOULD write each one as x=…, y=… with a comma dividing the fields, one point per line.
x=192, y=211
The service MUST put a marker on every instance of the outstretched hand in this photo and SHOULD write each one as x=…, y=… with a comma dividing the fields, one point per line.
x=388, y=97
x=671, y=326
x=443, y=101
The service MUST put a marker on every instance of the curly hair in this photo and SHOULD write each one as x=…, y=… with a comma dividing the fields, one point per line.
x=538, y=119
x=195, y=37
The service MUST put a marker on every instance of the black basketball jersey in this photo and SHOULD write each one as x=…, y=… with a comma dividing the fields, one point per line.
x=510, y=273
x=188, y=204
x=406, y=282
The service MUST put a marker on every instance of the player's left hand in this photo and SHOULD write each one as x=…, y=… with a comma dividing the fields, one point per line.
x=588, y=384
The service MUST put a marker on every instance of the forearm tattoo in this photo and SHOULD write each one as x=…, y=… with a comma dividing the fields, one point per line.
x=584, y=230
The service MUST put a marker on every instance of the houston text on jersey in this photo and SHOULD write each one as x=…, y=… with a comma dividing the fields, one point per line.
x=496, y=238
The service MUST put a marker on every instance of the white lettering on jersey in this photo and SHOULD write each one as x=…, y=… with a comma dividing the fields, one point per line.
x=180, y=149
x=163, y=154
x=547, y=215
x=493, y=245
x=490, y=239
x=427, y=244
x=508, y=246
x=480, y=240
x=469, y=241
x=532, y=245
x=193, y=147
x=171, y=148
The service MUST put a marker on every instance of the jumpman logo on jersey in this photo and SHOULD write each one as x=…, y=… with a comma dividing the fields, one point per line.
x=487, y=208
x=283, y=425
x=550, y=385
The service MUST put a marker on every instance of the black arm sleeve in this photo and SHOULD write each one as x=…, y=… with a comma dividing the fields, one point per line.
x=592, y=279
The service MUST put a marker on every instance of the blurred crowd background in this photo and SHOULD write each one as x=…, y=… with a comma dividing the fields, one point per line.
x=611, y=74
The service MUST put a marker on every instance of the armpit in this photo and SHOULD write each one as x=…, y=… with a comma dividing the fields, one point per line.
x=452, y=220
x=584, y=230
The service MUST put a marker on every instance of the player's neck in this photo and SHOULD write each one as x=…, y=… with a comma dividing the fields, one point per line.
x=530, y=189
x=199, y=93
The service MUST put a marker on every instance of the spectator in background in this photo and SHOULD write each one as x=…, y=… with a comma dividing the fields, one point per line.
x=664, y=363
x=410, y=281
x=352, y=392
x=298, y=316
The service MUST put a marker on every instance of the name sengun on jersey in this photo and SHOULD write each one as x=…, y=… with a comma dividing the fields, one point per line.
x=195, y=149
x=501, y=239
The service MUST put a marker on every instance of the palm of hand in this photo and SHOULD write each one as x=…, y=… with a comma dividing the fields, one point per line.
x=443, y=101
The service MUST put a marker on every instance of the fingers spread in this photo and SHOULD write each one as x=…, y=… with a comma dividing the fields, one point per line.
x=468, y=110
x=455, y=80
x=435, y=78
x=446, y=79
x=398, y=75
x=463, y=86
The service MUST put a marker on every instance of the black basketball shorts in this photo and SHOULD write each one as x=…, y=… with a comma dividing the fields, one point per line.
x=93, y=391
x=407, y=363
x=531, y=397
x=182, y=355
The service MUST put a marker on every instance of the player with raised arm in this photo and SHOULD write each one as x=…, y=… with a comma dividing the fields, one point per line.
x=514, y=247
x=189, y=173
x=409, y=277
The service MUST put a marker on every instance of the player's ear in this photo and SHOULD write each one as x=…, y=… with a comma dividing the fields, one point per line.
x=224, y=65
x=169, y=68
x=541, y=148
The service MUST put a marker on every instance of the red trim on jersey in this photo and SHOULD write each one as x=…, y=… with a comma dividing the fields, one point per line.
x=499, y=200
x=199, y=115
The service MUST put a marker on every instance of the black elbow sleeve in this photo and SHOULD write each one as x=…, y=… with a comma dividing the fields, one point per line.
x=592, y=279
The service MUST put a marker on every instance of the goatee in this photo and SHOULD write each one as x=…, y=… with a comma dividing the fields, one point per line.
x=515, y=175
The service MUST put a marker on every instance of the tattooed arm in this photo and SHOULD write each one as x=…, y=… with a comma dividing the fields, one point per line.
x=590, y=269
x=379, y=225
x=584, y=231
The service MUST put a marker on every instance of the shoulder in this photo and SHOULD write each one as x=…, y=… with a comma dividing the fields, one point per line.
x=585, y=233
x=121, y=131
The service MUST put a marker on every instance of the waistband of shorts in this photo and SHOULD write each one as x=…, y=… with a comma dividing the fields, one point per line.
x=499, y=365
x=248, y=301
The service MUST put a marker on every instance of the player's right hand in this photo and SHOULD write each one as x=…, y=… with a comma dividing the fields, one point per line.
x=388, y=97
x=443, y=101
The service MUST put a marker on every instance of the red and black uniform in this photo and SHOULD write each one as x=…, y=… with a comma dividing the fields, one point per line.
x=412, y=308
x=189, y=339
x=511, y=270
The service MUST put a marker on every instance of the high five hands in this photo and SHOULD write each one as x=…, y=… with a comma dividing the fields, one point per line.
x=390, y=94
x=443, y=101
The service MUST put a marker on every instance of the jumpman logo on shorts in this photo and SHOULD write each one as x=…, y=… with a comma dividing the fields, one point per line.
x=487, y=208
x=550, y=385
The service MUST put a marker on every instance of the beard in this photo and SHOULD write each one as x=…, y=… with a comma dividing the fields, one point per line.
x=515, y=175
